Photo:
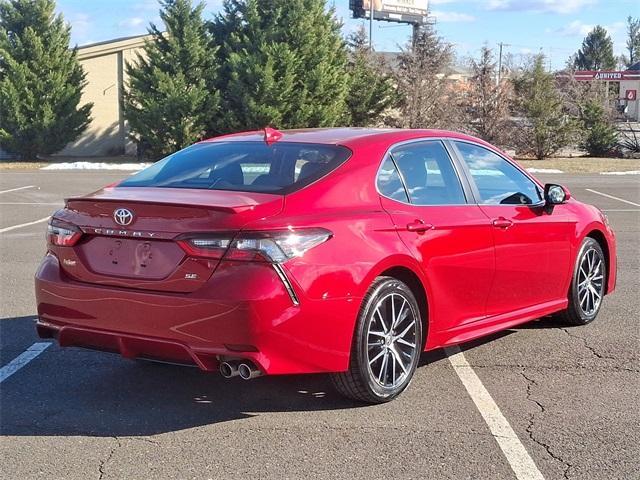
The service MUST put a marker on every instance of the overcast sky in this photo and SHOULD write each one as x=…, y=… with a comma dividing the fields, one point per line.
x=527, y=26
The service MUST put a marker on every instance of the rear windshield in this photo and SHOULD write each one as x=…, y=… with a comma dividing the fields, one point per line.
x=242, y=166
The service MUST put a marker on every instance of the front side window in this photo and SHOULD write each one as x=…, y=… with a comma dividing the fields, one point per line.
x=428, y=174
x=242, y=166
x=499, y=182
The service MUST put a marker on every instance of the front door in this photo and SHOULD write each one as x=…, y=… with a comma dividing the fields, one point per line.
x=532, y=245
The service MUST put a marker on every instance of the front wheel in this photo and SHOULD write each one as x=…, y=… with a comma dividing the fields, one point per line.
x=587, y=285
x=386, y=346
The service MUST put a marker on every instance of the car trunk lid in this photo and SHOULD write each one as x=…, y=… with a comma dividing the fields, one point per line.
x=143, y=252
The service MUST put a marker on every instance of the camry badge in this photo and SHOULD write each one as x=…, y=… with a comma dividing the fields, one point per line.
x=123, y=216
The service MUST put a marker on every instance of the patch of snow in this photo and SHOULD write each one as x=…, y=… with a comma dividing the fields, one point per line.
x=544, y=170
x=630, y=172
x=95, y=166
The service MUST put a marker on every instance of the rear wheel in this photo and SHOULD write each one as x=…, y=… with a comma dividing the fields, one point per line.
x=587, y=285
x=386, y=345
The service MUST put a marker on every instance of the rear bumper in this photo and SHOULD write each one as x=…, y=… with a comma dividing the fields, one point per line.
x=244, y=312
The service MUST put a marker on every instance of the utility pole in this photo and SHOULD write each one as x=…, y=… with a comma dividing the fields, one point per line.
x=501, y=45
x=371, y=25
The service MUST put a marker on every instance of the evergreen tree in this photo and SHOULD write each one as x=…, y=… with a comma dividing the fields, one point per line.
x=596, y=52
x=284, y=65
x=489, y=101
x=547, y=129
x=41, y=80
x=633, y=40
x=600, y=134
x=421, y=79
x=371, y=91
x=171, y=99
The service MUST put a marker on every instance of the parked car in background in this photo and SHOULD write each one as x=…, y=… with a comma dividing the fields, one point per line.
x=344, y=251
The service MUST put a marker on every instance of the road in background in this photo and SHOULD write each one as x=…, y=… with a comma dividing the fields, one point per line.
x=570, y=394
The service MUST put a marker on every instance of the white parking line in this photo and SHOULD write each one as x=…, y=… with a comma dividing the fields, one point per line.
x=21, y=360
x=14, y=227
x=614, y=198
x=19, y=188
x=520, y=461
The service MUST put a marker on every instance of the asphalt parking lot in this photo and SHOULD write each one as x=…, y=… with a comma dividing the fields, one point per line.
x=571, y=395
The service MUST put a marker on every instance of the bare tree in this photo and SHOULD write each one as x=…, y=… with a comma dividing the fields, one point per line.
x=488, y=101
x=421, y=77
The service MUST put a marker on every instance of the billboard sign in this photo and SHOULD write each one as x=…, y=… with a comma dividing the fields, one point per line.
x=404, y=11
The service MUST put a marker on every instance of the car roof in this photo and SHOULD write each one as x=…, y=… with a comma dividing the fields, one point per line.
x=347, y=136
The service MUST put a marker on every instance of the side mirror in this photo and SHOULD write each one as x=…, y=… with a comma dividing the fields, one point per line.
x=555, y=194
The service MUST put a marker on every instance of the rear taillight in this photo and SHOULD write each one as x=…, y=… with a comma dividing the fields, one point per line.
x=62, y=234
x=275, y=246
x=208, y=247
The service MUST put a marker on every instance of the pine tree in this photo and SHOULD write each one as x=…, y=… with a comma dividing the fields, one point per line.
x=547, y=129
x=171, y=99
x=371, y=90
x=633, y=40
x=41, y=80
x=596, y=52
x=421, y=79
x=488, y=101
x=600, y=134
x=284, y=65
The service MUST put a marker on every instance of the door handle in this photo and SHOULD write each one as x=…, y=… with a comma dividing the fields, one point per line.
x=502, y=223
x=419, y=226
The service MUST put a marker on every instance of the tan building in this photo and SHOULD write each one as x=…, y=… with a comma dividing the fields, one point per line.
x=104, y=64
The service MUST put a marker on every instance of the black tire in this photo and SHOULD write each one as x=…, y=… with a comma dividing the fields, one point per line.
x=359, y=382
x=576, y=313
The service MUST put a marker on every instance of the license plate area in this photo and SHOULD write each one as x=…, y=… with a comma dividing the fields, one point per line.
x=136, y=258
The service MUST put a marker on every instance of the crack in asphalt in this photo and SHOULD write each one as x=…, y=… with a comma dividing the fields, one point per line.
x=532, y=417
x=559, y=368
x=593, y=351
x=103, y=463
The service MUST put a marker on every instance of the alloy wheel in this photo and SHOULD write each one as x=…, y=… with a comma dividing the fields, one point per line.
x=590, y=282
x=391, y=340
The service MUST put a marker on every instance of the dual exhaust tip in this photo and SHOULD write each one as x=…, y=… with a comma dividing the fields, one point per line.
x=246, y=370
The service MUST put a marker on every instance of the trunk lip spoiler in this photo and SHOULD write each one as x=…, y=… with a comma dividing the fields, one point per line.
x=245, y=201
x=214, y=207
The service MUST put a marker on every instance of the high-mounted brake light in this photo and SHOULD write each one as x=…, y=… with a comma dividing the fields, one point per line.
x=62, y=234
x=275, y=246
x=271, y=135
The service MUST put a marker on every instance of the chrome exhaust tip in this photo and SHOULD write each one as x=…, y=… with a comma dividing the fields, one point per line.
x=229, y=369
x=248, y=371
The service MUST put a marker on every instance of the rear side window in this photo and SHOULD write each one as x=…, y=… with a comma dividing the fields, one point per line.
x=428, y=174
x=499, y=182
x=389, y=182
x=242, y=166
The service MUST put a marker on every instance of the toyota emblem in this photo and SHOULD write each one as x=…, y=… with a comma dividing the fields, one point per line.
x=123, y=216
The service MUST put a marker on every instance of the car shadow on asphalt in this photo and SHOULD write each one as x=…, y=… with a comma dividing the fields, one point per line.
x=72, y=391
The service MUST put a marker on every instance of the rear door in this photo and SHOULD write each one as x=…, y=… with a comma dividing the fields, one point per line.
x=532, y=245
x=449, y=236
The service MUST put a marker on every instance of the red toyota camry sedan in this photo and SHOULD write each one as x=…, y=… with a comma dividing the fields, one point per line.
x=345, y=251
